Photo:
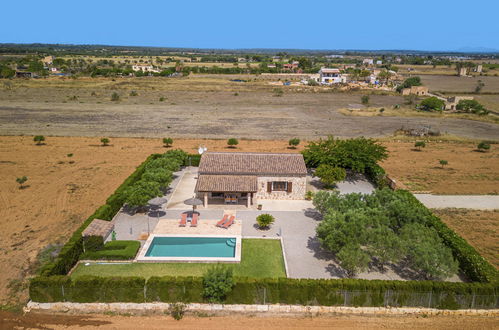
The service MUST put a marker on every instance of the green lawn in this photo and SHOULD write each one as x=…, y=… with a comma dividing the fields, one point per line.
x=259, y=258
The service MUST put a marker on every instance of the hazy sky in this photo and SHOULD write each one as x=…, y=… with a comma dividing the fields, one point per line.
x=416, y=24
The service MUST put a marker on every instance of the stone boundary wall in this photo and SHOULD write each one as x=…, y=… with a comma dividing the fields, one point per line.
x=263, y=310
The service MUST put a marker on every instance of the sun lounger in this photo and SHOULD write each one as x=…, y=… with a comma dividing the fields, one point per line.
x=183, y=220
x=228, y=223
x=194, y=221
x=224, y=219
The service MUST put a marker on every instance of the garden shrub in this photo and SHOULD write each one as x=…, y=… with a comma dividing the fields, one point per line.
x=217, y=283
x=93, y=243
x=174, y=289
x=87, y=289
x=114, y=250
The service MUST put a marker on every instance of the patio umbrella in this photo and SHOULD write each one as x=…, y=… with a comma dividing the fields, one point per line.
x=193, y=201
x=156, y=201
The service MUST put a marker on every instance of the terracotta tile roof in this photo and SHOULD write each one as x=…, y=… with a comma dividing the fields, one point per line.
x=248, y=163
x=98, y=228
x=227, y=183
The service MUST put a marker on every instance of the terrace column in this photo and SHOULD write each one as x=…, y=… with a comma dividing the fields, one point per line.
x=205, y=199
x=249, y=199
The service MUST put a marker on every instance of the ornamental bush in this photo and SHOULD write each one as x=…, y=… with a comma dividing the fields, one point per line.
x=217, y=283
x=114, y=250
x=265, y=220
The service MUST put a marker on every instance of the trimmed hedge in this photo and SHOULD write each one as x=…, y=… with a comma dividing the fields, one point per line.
x=193, y=160
x=114, y=250
x=348, y=292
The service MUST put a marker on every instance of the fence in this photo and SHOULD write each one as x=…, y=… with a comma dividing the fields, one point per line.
x=265, y=291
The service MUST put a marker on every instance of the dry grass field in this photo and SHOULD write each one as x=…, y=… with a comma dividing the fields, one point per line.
x=201, y=107
x=455, y=84
x=63, y=191
x=468, y=171
x=411, y=112
x=479, y=228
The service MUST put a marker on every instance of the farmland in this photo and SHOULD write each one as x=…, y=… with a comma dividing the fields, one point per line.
x=203, y=107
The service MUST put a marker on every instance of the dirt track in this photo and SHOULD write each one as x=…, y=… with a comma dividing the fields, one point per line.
x=256, y=115
x=58, y=321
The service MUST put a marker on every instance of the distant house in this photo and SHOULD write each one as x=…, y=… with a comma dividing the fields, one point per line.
x=328, y=76
x=271, y=66
x=415, y=90
x=379, y=62
x=463, y=71
x=368, y=61
x=276, y=58
x=144, y=68
x=451, y=102
x=25, y=74
x=479, y=68
x=48, y=60
x=53, y=70
x=244, y=177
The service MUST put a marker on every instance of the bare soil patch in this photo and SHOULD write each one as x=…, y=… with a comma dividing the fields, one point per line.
x=202, y=107
x=468, y=173
x=455, y=84
x=479, y=228
x=58, y=321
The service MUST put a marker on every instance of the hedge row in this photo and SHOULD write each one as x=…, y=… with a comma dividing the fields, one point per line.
x=474, y=266
x=193, y=160
x=114, y=250
x=71, y=251
x=349, y=292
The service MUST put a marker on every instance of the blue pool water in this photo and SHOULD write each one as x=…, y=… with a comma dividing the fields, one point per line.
x=220, y=247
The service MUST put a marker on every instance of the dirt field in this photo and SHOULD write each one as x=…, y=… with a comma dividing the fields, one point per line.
x=455, y=84
x=61, y=195
x=201, y=107
x=59, y=321
x=479, y=228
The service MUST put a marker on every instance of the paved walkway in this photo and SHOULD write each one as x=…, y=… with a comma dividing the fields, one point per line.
x=184, y=189
x=476, y=202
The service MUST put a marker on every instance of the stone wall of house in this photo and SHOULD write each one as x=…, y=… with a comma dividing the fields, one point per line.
x=299, y=187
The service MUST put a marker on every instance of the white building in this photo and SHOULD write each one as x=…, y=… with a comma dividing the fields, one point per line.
x=378, y=62
x=329, y=76
x=368, y=61
x=144, y=68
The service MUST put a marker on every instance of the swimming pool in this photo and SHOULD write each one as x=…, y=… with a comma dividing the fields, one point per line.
x=191, y=248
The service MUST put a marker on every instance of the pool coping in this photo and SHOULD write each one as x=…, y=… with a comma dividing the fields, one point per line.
x=142, y=258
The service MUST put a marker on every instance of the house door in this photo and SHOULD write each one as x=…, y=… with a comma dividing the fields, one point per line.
x=230, y=198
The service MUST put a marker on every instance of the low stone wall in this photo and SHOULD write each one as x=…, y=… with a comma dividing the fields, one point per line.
x=219, y=309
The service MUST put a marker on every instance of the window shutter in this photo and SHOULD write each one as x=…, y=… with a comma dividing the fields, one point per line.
x=269, y=187
x=290, y=187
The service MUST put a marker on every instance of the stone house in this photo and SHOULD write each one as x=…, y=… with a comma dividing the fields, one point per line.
x=415, y=90
x=452, y=102
x=243, y=177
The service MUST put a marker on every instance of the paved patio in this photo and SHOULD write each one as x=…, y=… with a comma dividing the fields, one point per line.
x=204, y=227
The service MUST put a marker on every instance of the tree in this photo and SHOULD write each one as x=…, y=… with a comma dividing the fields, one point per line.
x=386, y=75
x=7, y=72
x=357, y=154
x=419, y=145
x=330, y=175
x=115, y=96
x=293, y=143
x=353, y=259
x=232, y=142
x=432, y=104
x=141, y=192
x=265, y=220
x=217, y=283
x=167, y=142
x=409, y=82
x=39, y=139
x=472, y=106
x=160, y=175
x=443, y=162
x=427, y=253
x=21, y=180
x=479, y=86
x=483, y=146
x=104, y=141
x=365, y=99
